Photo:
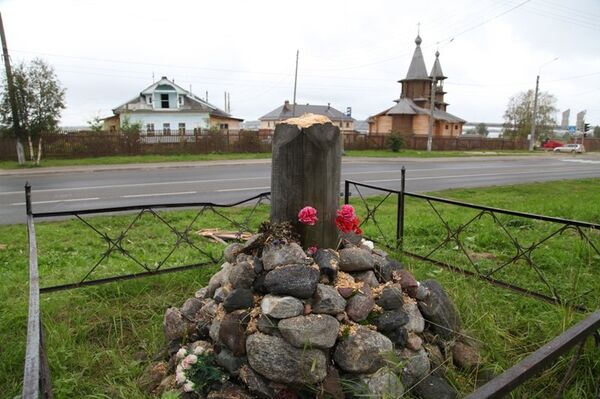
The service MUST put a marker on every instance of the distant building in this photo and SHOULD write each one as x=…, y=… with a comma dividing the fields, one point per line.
x=286, y=111
x=412, y=111
x=164, y=108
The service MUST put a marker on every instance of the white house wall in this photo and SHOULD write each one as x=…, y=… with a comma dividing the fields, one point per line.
x=191, y=120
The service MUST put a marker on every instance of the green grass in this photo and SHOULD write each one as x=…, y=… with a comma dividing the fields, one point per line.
x=434, y=154
x=96, y=335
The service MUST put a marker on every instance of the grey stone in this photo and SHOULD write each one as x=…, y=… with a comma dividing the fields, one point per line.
x=213, y=332
x=414, y=342
x=362, y=351
x=355, y=259
x=202, y=293
x=281, y=307
x=311, y=331
x=391, y=320
x=328, y=300
x=416, y=322
x=328, y=261
x=243, y=258
x=227, y=391
x=220, y=294
x=380, y=252
x=367, y=277
x=232, y=331
x=258, y=265
x=422, y=292
x=275, y=255
x=279, y=361
x=231, y=251
x=434, y=387
x=240, y=298
x=331, y=387
x=229, y=362
x=408, y=283
x=218, y=279
x=296, y=280
x=391, y=297
x=417, y=366
x=386, y=271
x=259, y=285
x=175, y=325
x=152, y=376
x=361, y=304
x=255, y=383
x=384, y=384
x=191, y=307
x=242, y=275
x=266, y=324
x=398, y=337
x=465, y=356
x=439, y=309
x=209, y=309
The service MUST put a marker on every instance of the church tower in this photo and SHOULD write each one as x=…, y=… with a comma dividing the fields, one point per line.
x=438, y=75
x=417, y=83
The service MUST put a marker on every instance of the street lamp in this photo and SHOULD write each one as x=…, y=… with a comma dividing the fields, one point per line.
x=535, y=101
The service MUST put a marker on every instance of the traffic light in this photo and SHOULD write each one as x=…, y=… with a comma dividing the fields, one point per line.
x=586, y=127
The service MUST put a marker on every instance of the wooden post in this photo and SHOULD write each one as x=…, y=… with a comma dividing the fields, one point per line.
x=306, y=171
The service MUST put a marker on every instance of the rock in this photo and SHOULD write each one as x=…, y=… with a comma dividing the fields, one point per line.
x=386, y=271
x=229, y=362
x=312, y=331
x=259, y=285
x=416, y=322
x=355, y=259
x=408, y=283
x=279, y=361
x=202, y=293
x=328, y=300
x=242, y=257
x=422, y=292
x=367, y=277
x=436, y=358
x=167, y=384
x=175, y=325
x=398, y=337
x=331, y=387
x=220, y=294
x=281, y=307
x=191, y=307
x=218, y=279
x=240, y=298
x=213, y=332
x=350, y=239
x=258, y=265
x=229, y=391
x=274, y=256
x=434, y=387
x=384, y=384
x=231, y=251
x=465, y=356
x=296, y=280
x=391, y=297
x=266, y=325
x=232, y=331
x=361, y=304
x=242, y=275
x=380, y=252
x=362, y=351
x=417, y=366
x=391, y=320
x=414, y=342
x=439, y=309
x=206, y=346
x=345, y=292
x=328, y=261
x=152, y=376
x=255, y=383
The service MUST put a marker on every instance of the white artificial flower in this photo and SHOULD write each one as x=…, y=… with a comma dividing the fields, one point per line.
x=188, y=387
x=187, y=362
x=181, y=353
x=368, y=244
x=199, y=350
x=180, y=377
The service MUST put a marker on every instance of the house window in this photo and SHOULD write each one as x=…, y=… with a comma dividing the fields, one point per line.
x=268, y=124
x=150, y=128
x=180, y=99
x=224, y=126
x=149, y=100
x=455, y=127
x=347, y=124
x=164, y=101
x=166, y=129
x=446, y=127
x=181, y=128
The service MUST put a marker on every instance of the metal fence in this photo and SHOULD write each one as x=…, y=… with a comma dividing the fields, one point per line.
x=453, y=232
x=37, y=381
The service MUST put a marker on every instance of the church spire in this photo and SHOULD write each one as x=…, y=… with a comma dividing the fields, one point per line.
x=417, y=69
x=436, y=71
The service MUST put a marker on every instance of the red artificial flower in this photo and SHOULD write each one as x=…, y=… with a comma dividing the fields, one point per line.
x=308, y=215
x=347, y=221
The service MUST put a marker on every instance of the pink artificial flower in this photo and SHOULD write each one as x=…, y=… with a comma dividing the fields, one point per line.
x=188, y=386
x=312, y=250
x=187, y=362
x=308, y=215
x=347, y=213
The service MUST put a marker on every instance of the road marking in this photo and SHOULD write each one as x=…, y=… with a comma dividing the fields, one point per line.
x=157, y=194
x=541, y=173
x=55, y=201
x=242, y=189
x=580, y=160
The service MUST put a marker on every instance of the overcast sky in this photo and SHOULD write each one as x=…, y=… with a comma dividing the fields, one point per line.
x=352, y=53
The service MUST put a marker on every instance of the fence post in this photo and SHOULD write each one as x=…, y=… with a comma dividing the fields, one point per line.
x=346, y=192
x=28, y=198
x=400, y=216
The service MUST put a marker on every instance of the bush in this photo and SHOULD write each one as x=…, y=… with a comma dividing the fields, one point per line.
x=394, y=142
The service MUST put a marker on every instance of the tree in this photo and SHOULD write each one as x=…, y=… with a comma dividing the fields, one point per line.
x=96, y=124
x=394, y=141
x=482, y=130
x=40, y=100
x=597, y=132
x=519, y=114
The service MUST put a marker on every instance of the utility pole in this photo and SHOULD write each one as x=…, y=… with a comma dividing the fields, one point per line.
x=295, y=84
x=432, y=107
x=535, y=101
x=12, y=97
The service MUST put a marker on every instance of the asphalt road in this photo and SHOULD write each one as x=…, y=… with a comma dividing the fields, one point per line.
x=226, y=182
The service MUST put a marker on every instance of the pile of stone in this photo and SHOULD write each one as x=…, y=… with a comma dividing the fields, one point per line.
x=331, y=324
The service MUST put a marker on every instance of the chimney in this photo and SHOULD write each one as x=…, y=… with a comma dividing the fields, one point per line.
x=328, y=106
x=286, y=105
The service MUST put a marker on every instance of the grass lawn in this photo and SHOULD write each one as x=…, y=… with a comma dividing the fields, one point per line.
x=115, y=160
x=100, y=338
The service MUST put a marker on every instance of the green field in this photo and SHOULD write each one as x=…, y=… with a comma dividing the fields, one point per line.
x=100, y=338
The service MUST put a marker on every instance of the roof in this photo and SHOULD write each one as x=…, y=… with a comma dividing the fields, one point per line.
x=417, y=69
x=190, y=103
x=406, y=106
x=436, y=71
x=285, y=112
